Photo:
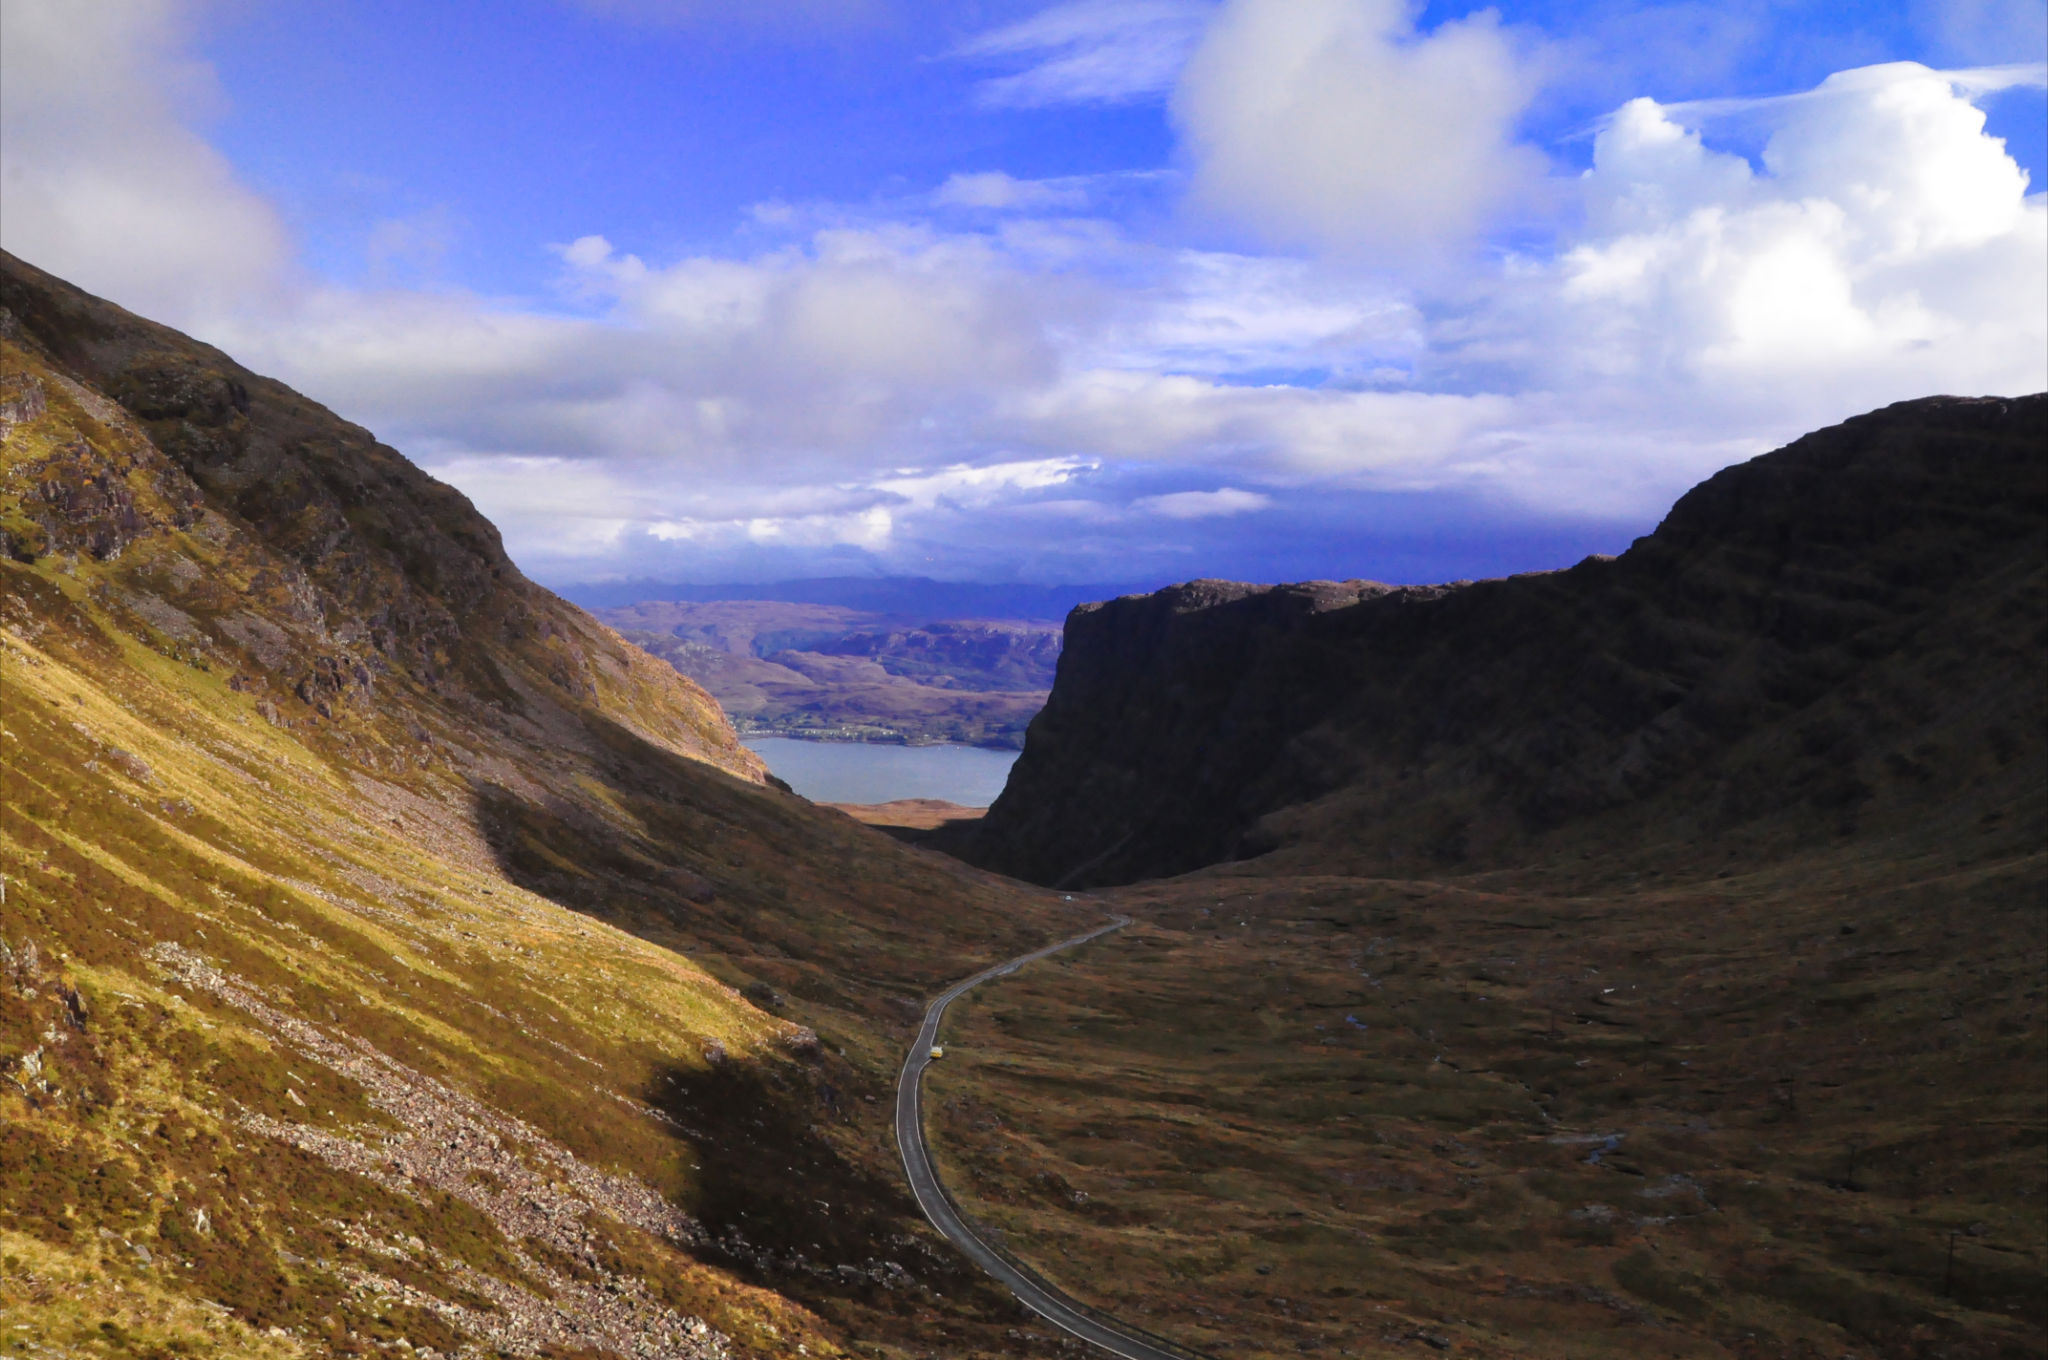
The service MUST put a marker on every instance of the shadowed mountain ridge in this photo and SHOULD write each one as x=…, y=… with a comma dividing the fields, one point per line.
x=1846, y=633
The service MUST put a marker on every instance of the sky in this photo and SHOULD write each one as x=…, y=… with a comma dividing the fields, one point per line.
x=1101, y=290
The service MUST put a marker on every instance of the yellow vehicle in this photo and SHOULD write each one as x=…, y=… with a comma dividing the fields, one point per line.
x=938, y=1051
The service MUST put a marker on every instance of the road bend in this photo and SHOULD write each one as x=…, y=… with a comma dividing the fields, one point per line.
x=924, y=1181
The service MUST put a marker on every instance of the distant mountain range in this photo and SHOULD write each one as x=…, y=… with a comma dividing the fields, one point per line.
x=831, y=673
x=917, y=597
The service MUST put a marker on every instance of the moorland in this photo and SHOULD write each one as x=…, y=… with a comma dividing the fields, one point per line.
x=1644, y=958
x=1640, y=958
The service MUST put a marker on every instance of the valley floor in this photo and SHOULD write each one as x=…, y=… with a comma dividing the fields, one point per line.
x=1795, y=1112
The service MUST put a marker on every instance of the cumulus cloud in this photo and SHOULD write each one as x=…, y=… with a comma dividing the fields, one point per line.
x=1886, y=245
x=104, y=179
x=864, y=387
x=1333, y=123
x=852, y=347
x=1090, y=51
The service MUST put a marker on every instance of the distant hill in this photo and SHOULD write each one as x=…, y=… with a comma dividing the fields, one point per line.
x=1848, y=634
x=907, y=597
x=830, y=672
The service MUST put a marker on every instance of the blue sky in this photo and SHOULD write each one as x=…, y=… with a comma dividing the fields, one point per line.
x=1098, y=290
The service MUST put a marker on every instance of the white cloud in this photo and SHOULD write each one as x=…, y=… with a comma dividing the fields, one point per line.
x=1218, y=313
x=1888, y=246
x=104, y=180
x=931, y=373
x=859, y=348
x=1278, y=432
x=1882, y=248
x=996, y=191
x=971, y=485
x=1091, y=51
x=1333, y=123
x=1220, y=503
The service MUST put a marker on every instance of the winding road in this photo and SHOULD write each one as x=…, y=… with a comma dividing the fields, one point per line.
x=1048, y=1303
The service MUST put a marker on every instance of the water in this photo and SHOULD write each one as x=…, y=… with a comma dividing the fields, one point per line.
x=864, y=772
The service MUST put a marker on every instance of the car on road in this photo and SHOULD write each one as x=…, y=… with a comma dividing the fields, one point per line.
x=938, y=1051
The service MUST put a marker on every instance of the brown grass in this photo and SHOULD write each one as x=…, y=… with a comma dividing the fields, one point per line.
x=1739, y=1116
x=543, y=906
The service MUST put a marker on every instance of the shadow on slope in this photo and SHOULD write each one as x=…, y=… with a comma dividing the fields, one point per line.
x=785, y=1203
x=816, y=919
x=282, y=722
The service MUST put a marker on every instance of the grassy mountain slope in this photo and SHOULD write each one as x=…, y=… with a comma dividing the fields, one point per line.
x=390, y=951
x=1726, y=1112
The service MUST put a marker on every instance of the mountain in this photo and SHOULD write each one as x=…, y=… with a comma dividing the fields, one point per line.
x=828, y=671
x=908, y=597
x=1644, y=958
x=1839, y=638
x=389, y=951
x=1638, y=959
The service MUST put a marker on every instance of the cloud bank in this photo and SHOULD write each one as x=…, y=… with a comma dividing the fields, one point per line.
x=999, y=376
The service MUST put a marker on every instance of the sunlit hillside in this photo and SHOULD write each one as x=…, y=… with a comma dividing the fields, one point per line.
x=391, y=955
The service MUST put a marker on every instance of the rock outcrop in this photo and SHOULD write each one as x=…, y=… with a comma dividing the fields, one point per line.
x=1850, y=631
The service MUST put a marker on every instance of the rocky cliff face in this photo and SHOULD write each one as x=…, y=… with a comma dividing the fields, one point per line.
x=1848, y=633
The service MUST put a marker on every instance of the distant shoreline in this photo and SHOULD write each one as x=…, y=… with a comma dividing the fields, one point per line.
x=746, y=736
